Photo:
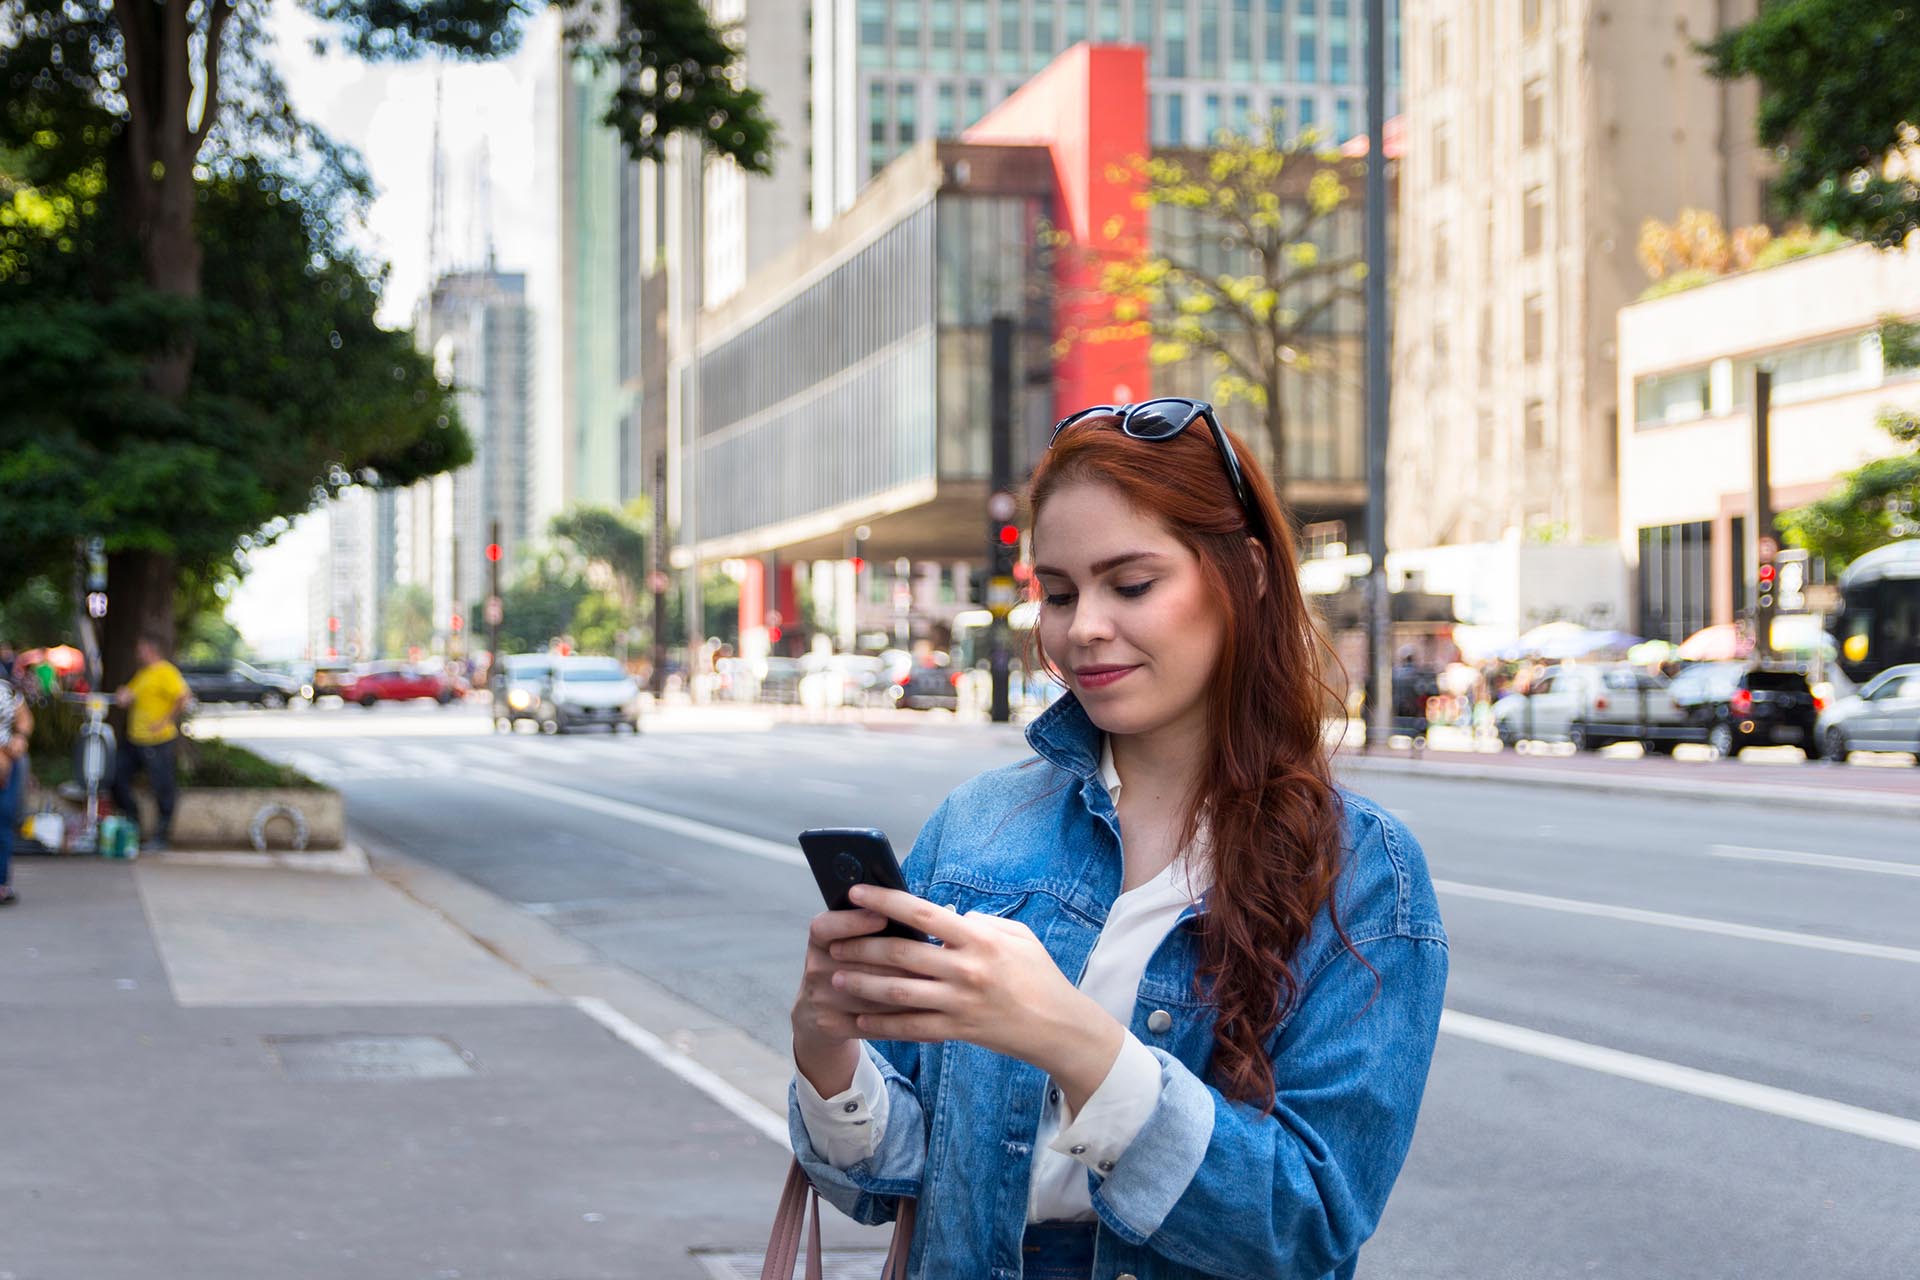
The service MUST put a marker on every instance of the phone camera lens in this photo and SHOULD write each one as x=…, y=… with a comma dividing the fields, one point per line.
x=847, y=867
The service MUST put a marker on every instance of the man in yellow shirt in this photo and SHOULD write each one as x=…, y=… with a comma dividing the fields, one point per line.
x=155, y=698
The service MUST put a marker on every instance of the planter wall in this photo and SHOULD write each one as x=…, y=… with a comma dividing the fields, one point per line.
x=222, y=817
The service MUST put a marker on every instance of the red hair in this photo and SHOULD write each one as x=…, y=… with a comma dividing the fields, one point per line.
x=1265, y=790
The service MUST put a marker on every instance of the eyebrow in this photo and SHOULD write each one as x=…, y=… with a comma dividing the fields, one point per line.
x=1101, y=566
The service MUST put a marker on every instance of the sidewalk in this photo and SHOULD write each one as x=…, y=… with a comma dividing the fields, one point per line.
x=230, y=1073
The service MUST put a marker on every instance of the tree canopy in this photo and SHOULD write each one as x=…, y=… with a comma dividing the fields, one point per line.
x=1839, y=103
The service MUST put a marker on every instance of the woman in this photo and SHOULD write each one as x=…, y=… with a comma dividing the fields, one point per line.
x=1188, y=990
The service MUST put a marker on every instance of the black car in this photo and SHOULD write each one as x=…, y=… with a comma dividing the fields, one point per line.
x=237, y=682
x=1731, y=706
x=929, y=688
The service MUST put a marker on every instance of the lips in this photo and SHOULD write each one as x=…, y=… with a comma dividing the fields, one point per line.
x=1096, y=677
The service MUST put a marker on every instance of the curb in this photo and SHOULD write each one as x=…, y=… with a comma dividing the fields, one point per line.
x=1850, y=801
x=575, y=971
x=349, y=860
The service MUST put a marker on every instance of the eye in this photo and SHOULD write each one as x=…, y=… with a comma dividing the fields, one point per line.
x=1059, y=600
x=1136, y=590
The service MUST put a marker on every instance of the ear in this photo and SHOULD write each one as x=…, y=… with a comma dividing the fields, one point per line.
x=1259, y=565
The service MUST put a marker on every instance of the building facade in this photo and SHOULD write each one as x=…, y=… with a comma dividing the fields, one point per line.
x=1538, y=138
x=342, y=601
x=887, y=74
x=1686, y=430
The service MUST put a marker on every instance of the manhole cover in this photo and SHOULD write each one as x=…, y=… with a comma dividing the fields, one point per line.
x=358, y=1057
x=835, y=1264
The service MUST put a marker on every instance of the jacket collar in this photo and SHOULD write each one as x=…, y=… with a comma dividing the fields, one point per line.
x=1065, y=736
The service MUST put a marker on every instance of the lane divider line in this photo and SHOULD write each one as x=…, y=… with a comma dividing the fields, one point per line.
x=1668, y=920
x=1827, y=1114
x=673, y=823
x=1837, y=861
x=766, y=1123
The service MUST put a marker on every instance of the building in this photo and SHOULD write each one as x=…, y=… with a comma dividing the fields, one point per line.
x=1686, y=437
x=887, y=74
x=840, y=402
x=343, y=606
x=1539, y=137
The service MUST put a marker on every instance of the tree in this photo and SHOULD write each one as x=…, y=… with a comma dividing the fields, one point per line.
x=1239, y=268
x=1839, y=102
x=406, y=619
x=613, y=544
x=1696, y=248
x=127, y=111
x=1874, y=504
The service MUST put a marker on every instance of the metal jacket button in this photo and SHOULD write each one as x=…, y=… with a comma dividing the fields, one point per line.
x=1159, y=1021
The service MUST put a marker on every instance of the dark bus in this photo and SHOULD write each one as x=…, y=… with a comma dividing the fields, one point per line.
x=1878, y=625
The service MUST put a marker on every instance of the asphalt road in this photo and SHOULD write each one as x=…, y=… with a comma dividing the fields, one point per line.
x=1683, y=1036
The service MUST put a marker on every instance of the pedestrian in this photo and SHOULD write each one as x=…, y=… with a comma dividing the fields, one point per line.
x=1154, y=1043
x=16, y=728
x=155, y=697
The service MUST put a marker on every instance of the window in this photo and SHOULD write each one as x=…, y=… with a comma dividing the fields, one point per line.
x=1339, y=43
x=1342, y=119
x=1533, y=436
x=1530, y=17
x=907, y=112
x=1306, y=30
x=1242, y=113
x=1143, y=23
x=906, y=34
x=1240, y=33
x=1211, y=117
x=1306, y=115
x=1533, y=221
x=1533, y=113
x=940, y=36
x=1042, y=32
x=946, y=110
x=877, y=122
x=873, y=33
x=1010, y=51
x=1273, y=41
x=1442, y=155
x=1810, y=372
x=1442, y=254
x=1076, y=22
x=1210, y=38
x=1176, y=118
x=1175, y=37
x=1534, y=340
x=975, y=14
x=976, y=101
x=1109, y=20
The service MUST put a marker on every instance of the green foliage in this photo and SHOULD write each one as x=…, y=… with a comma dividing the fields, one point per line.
x=614, y=542
x=208, y=637
x=1871, y=506
x=215, y=762
x=1800, y=242
x=538, y=608
x=37, y=613
x=1678, y=282
x=1900, y=343
x=1261, y=205
x=406, y=620
x=601, y=624
x=1838, y=88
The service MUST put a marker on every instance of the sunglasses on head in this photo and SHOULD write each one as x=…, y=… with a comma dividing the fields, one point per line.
x=1163, y=419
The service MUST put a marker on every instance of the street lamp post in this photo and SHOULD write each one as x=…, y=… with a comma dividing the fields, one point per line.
x=1379, y=606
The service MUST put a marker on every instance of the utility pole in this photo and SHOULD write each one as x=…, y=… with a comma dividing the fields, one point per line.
x=1003, y=536
x=1379, y=605
x=495, y=611
x=657, y=581
x=1762, y=546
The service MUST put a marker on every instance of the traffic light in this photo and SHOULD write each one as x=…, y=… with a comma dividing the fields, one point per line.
x=493, y=553
x=1767, y=578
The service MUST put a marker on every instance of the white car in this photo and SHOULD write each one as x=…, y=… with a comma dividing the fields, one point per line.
x=1592, y=705
x=1883, y=716
x=586, y=690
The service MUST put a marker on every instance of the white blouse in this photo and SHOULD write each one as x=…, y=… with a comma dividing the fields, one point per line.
x=846, y=1128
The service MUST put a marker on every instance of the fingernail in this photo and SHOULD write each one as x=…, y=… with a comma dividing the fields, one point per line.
x=839, y=979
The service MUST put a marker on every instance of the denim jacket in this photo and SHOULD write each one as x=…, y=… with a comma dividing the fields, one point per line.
x=1209, y=1187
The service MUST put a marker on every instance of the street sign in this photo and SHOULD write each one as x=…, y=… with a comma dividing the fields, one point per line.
x=495, y=611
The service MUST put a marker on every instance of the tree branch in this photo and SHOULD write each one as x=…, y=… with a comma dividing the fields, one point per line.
x=210, y=59
x=174, y=80
x=137, y=39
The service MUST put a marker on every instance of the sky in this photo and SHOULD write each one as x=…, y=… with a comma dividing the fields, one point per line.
x=491, y=113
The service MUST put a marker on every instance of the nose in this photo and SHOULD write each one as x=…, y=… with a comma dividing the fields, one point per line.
x=1090, y=626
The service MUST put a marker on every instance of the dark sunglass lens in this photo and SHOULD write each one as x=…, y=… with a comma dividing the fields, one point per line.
x=1158, y=419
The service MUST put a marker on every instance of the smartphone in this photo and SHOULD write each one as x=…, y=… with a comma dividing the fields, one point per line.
x=842, y=857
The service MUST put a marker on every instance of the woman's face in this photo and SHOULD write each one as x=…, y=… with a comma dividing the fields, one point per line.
x=1125, y=614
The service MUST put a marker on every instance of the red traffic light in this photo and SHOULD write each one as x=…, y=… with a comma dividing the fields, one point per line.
x=1766, y=573
x=493, y=552
x=773, y=635
x=458, y=622
x=333, y=624
x=858, y=563
x=1009, y=535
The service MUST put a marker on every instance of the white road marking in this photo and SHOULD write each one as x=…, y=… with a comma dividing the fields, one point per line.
x=1834, y=860
x=1666, y=920
x=705, y=832
x=1824, y=1112
x=769, y=1125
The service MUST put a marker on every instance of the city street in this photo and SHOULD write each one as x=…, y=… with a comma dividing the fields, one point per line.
x=1680, y=1036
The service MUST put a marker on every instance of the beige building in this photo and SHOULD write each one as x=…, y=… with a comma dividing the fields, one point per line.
x=1686, y=437
x=1539, y=136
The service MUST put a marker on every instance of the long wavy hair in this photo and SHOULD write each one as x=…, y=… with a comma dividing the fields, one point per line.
x=1265, y=791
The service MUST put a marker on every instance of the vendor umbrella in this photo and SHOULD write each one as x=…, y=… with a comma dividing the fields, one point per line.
x=1720, y=642
x=65, y=659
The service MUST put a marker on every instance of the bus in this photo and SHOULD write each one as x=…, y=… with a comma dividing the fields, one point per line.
x=1878, y=623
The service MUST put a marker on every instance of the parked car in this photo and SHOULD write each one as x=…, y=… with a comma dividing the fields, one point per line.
x=398, y=682
x=929, y=687
x=1593, y=705
x=586, y=690
x=520, y=688
x=1883, y=716
x=781, y=680
x=329, y=677
x=1731, y=706
x=235, y=681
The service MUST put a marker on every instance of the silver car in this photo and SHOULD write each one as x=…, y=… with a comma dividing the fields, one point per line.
x=1883, y=716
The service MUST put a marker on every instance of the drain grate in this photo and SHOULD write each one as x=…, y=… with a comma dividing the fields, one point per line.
x=835, y=1264
x=367, y=1057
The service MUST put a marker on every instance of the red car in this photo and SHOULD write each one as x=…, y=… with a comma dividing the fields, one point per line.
x=397, y=682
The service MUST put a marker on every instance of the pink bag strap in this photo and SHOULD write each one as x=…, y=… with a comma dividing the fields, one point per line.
x=800, y=1211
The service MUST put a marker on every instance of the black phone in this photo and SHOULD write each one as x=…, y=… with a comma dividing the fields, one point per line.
x=842, y=857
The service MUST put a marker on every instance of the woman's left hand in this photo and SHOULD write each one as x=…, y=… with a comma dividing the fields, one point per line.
x=993, y=984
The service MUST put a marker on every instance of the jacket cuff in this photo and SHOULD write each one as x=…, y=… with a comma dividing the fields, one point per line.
x=846, y=1128
x=1145, y=1183
x=1115, y=1113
